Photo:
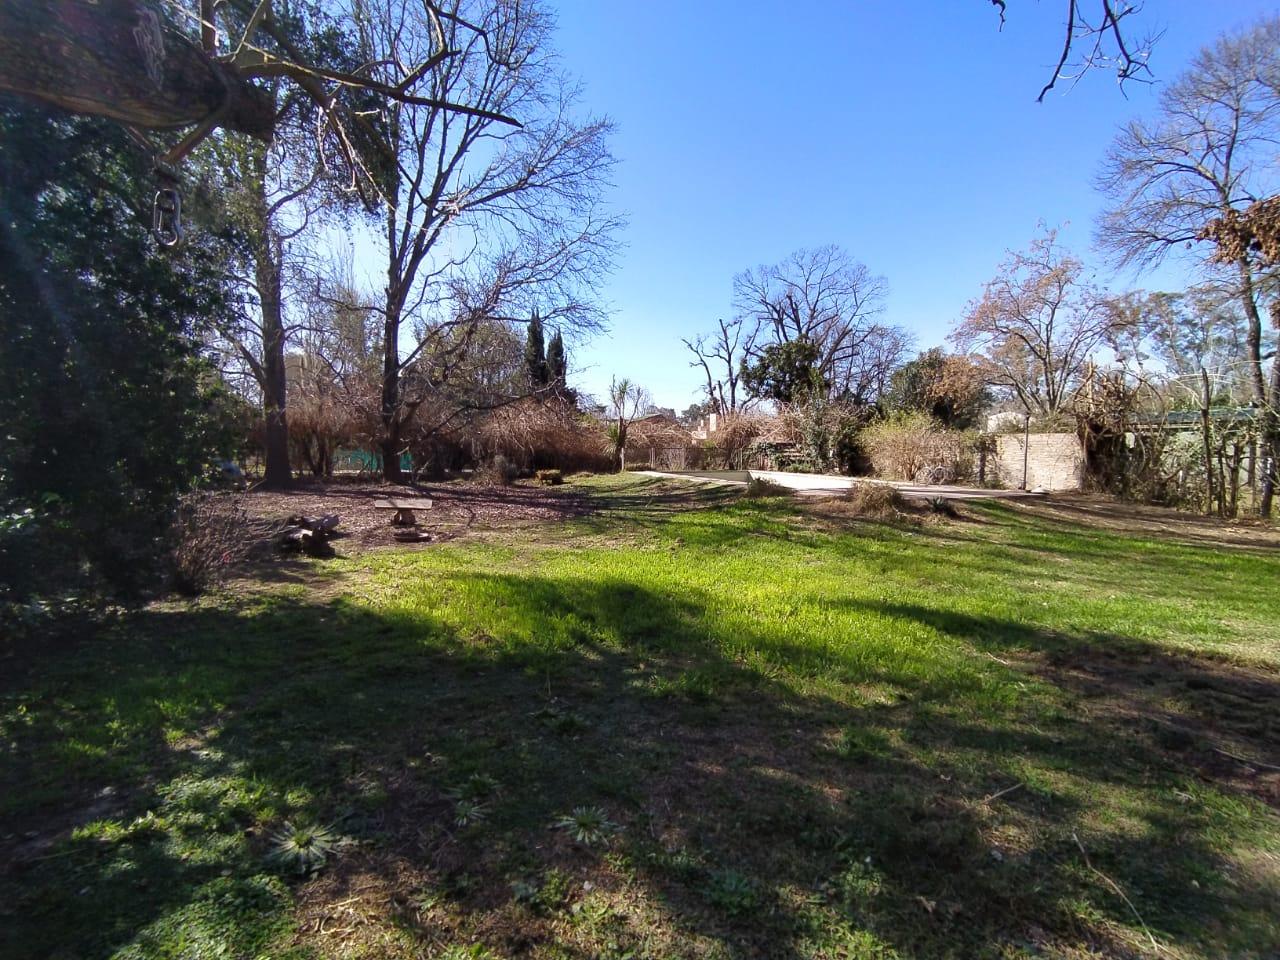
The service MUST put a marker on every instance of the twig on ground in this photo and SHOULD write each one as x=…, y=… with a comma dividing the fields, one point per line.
x=1120, y=893
x=1246, y=761
x=1001, y=793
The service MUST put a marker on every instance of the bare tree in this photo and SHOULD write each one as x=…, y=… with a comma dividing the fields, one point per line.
x=1036, y=325
x=269, y=194
x=825, y=297
x=481, y=222
x=627, y=401
x=1097, y=37
x=1206, y=156
x=1202, y=328
x=720, y=355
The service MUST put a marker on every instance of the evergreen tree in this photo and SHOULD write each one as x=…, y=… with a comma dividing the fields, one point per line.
x=535, y=353
x=786, y=372
x=109, y=412
x=557, y=361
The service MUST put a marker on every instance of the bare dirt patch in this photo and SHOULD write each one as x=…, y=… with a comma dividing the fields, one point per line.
x=459, y=508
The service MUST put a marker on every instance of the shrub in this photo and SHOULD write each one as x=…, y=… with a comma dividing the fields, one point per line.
x=538, y=434
x=549, y=478
x=110, y=411
x=758, y=487
x=914, y=446
x=499, y=471
x=210, y=534
x=828, y=432
x=875, y=501
x=729, y=447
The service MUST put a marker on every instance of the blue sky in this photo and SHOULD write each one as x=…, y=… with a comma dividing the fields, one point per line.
x=906, y=132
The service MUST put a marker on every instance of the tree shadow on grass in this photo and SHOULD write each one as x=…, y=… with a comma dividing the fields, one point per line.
x=1194, y=710
x=761, y=812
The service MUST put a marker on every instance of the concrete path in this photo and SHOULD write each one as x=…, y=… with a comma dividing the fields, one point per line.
x=819, y=484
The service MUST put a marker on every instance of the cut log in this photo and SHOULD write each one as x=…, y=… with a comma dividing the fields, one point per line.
x=325, y=524
x=309, y=535
x=123, y=60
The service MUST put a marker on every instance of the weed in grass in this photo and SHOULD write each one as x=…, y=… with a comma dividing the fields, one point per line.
x=589, y=826
x=731, y=891
x=680, y=864
x=861, y=744
x=478, y=786
x=943, y=506
x=696, y=686
x=597, y=917
x=467, y=812
x=859, y=883
x=470, y=951
x=226, y=917
x=546, y=897
x=302, y=848
x=564, y=722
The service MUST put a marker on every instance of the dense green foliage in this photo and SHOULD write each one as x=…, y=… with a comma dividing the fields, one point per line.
x=784, y=372
x=557, y=361
x=681, y=725
x=108, y=411
x=535, y=353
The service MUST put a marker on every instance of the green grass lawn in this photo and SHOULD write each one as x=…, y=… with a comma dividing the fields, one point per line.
x=785, y=733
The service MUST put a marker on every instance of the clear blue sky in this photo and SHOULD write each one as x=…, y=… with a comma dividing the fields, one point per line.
x=906, y=132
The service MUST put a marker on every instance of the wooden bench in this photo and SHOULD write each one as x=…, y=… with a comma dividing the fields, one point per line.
x=404, y=509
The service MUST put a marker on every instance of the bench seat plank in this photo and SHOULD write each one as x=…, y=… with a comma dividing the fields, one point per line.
x=409, y=503
x=403, y=509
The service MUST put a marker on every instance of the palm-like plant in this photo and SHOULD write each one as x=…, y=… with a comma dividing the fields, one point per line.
x=588, y=825
x=302, y=848
x=467, y=812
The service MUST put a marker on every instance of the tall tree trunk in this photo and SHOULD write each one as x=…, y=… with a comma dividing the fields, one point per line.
x=121, y=59
x=390, y=412
x=1270, y=428
x=268, y=255
x=274, y=377
x=1269, y=434
x=1205, y=436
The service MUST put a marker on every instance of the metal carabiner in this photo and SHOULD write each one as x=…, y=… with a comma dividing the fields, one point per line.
x=166, y=217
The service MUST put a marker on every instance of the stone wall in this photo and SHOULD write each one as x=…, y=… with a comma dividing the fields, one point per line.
x=1055, y=461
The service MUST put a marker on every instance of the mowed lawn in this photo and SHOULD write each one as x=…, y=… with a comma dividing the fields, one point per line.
x=681, y=724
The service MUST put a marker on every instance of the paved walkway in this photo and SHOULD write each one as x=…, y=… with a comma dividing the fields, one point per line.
x=819, y=484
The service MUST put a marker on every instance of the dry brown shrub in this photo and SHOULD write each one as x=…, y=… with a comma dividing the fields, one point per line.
x=327, y=412
x=537, y=434
x=211, y=533
x=499, y=471
x=731, y=443
x=758, y=488
x=910, y=446
x=875, y=501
